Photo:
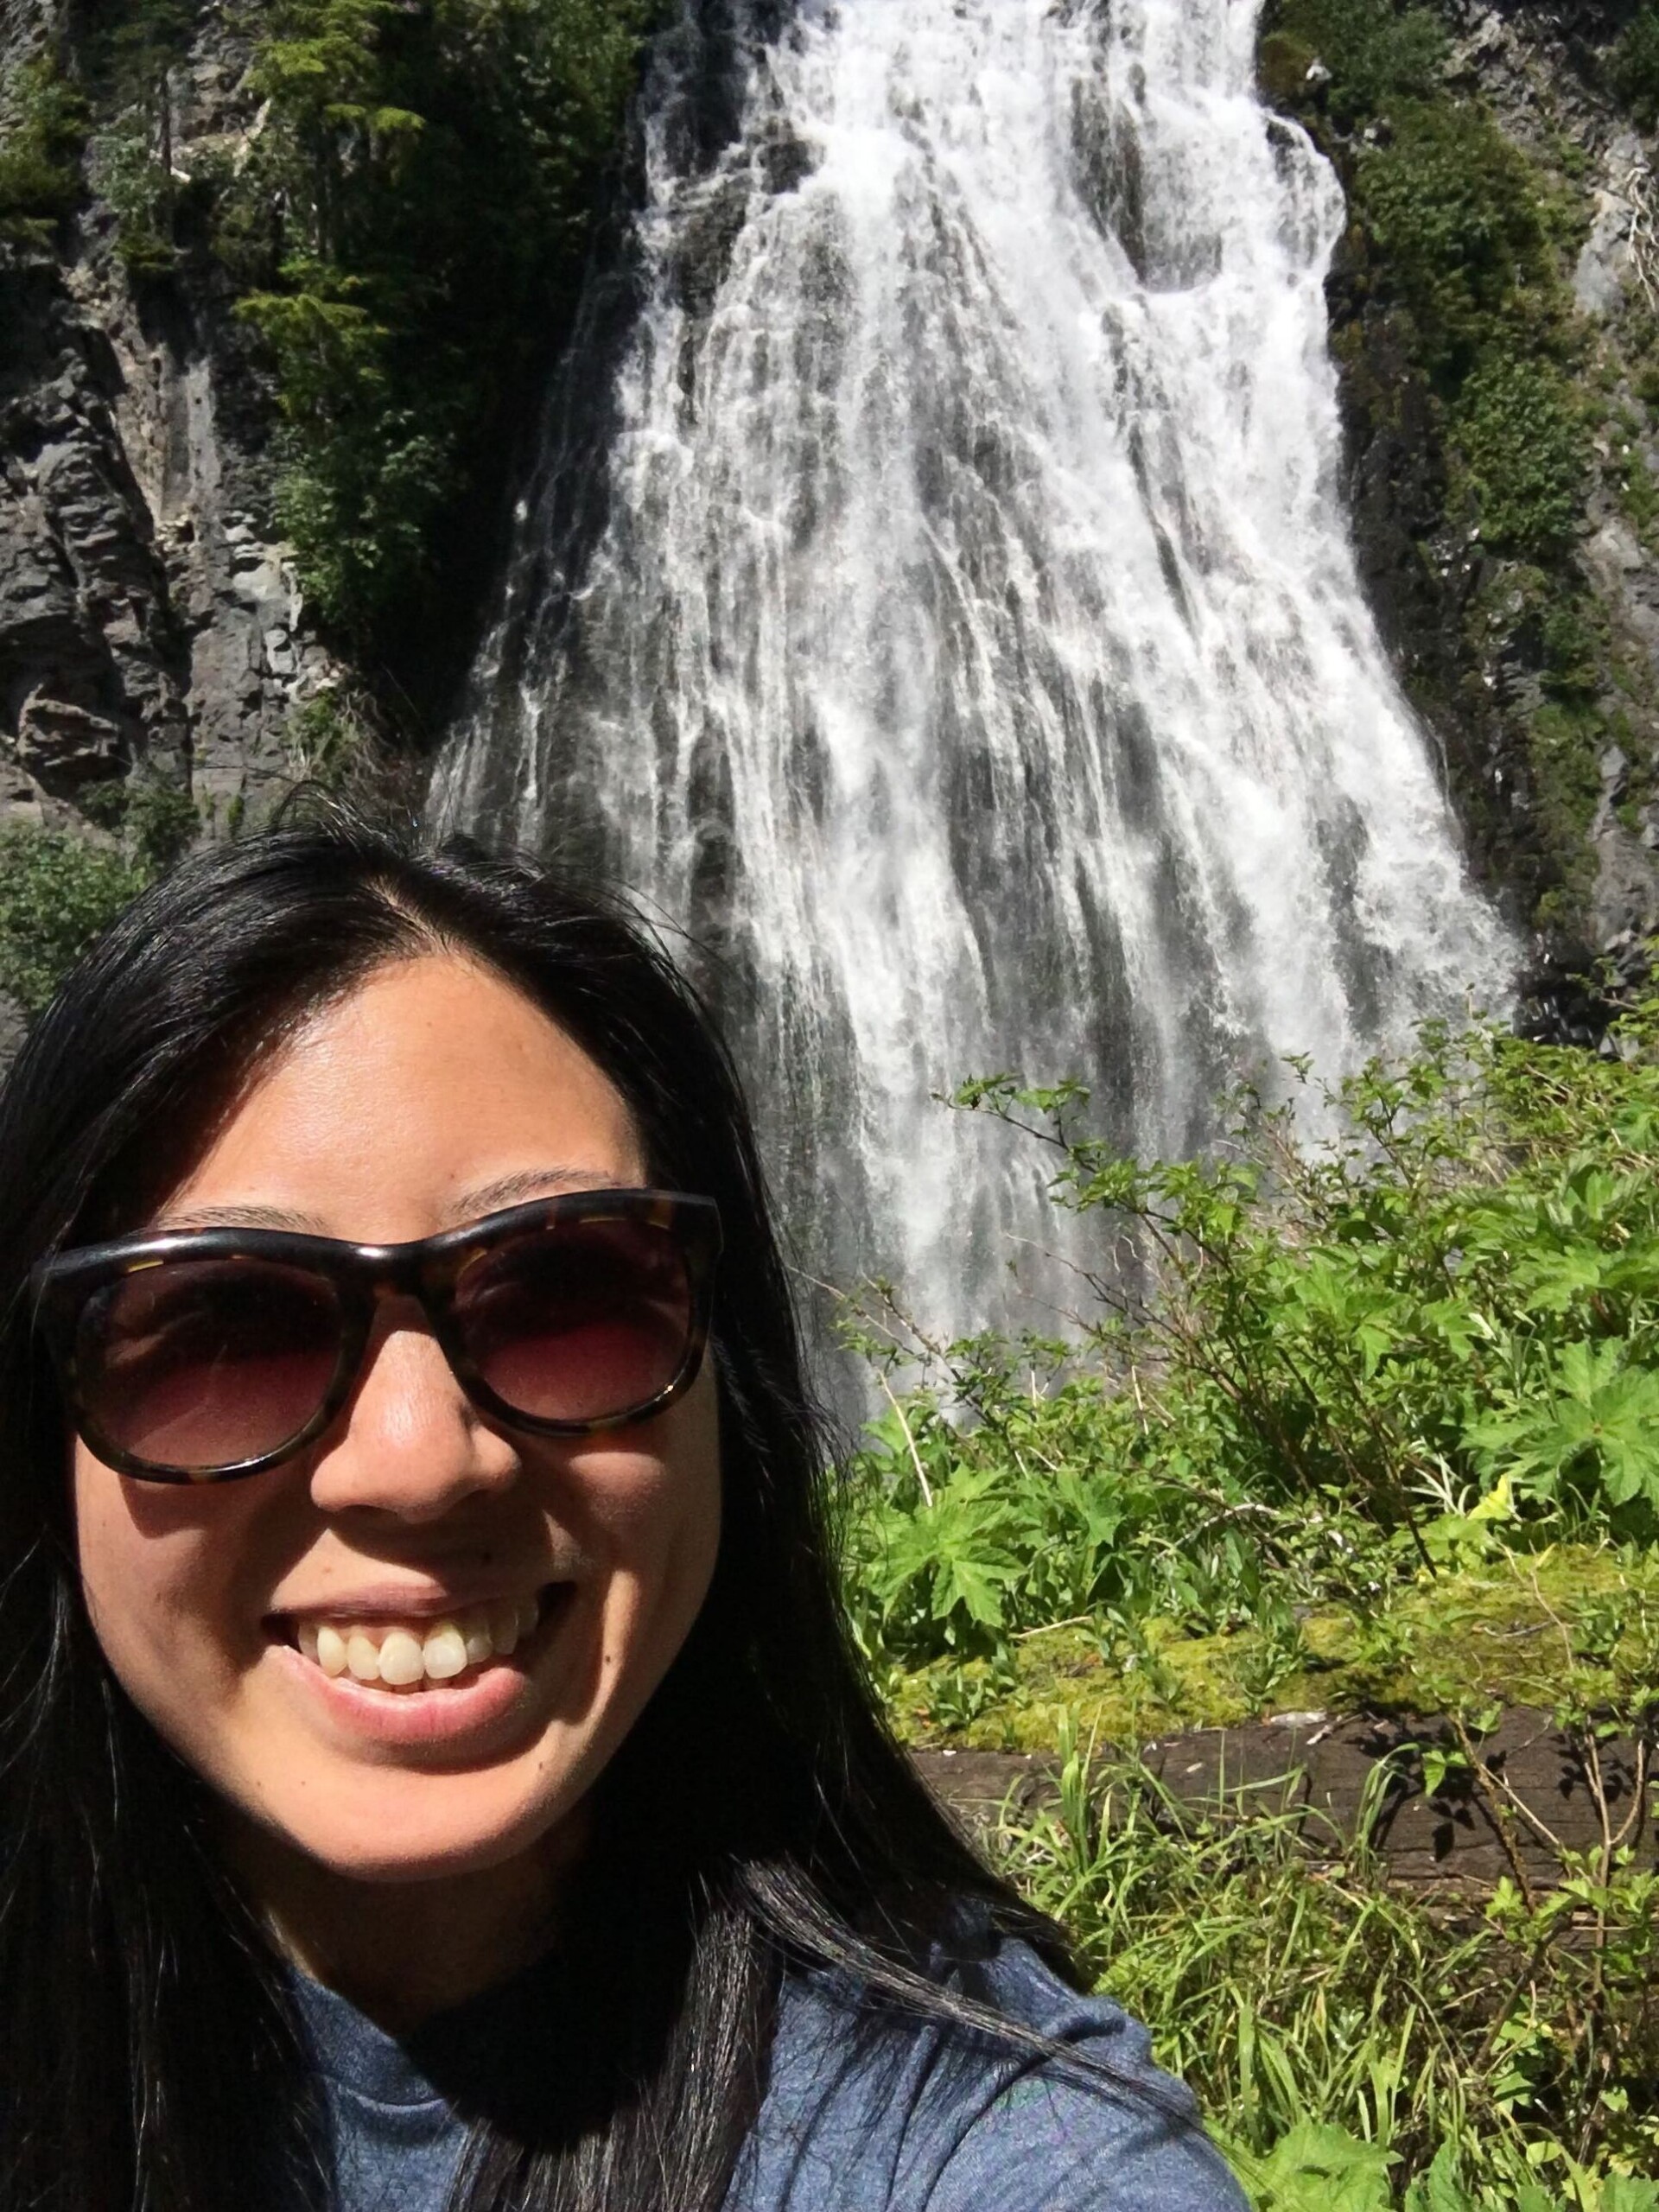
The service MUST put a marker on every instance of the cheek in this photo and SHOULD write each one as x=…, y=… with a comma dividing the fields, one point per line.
x=655, y=1521
x=159, y=1573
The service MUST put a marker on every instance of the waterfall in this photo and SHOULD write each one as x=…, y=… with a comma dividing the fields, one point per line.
x=935, y=597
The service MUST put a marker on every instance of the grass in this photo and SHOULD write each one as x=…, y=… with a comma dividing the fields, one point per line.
x=1352, y=2046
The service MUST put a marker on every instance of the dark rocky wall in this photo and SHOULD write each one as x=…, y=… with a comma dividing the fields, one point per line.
x=149, y=621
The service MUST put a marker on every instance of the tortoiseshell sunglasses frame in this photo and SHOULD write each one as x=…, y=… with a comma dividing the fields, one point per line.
x=428, y=1270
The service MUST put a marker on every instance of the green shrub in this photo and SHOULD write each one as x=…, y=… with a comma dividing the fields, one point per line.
x=1335, y=1362
x=39, y=148
x=1375, y=53
x=329, y=738
x=133, y=150
x=141, y=194
x=1526, y=449
x=439, y=168
x=1633, y=66
x=163, y=822
x=1455, y=212
x=362, y=481
x=57, y=895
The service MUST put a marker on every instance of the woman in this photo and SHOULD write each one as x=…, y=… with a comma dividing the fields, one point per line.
x=432, y=1768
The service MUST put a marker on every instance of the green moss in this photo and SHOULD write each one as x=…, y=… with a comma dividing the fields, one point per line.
x=1282, y=66
x=1573, y=1626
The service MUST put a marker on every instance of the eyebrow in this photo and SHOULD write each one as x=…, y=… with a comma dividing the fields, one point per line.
x=232, y=1217
x=482, y=1198
x=530, y=1183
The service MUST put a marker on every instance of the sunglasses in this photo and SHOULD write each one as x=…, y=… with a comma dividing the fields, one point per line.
x=208, y=1354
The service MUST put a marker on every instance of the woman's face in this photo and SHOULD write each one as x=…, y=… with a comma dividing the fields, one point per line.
x=435, y=1094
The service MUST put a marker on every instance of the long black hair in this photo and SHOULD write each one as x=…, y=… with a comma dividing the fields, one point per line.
x=758, y=1815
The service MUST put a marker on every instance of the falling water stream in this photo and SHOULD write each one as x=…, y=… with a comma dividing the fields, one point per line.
x=935, y=597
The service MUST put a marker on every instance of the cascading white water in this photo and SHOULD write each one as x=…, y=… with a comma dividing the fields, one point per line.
x=946, y=611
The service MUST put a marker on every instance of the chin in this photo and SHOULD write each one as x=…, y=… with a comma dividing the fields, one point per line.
x=431, y=1828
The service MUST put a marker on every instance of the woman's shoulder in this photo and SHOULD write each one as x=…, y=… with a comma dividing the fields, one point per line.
x=867, y=2106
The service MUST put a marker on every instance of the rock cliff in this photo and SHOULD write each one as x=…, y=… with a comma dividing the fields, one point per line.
x=152, y=635
x=1535, y=663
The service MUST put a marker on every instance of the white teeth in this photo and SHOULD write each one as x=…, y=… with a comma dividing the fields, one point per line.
x=403, y=1657
x=444, y=1653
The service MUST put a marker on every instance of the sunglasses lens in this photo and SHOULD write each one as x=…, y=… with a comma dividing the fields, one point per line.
x=197, y=1364
x=578, y=1321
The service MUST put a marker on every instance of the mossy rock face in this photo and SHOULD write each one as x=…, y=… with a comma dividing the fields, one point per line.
x=1491, y=427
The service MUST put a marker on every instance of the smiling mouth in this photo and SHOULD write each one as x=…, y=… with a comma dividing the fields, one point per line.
x=446, y=1653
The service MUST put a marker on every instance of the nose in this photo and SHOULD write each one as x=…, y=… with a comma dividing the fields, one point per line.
x=409, y=1441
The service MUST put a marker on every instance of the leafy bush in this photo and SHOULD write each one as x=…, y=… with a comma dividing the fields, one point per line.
x=330, y=738
x=1332, y=1363
x=40, y=149
x=133, y=150
x=404, y=232
x=362, y=481
x=427, y=177
x=1030, y=1516
x=57, y=895
x=1453, y=207
x=162, y=823
x=1374, y=54
x=1352, y=1368
x=1526, y=448
x=1633, y=66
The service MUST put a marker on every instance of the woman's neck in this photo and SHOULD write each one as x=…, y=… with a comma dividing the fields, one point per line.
x=402, y=1951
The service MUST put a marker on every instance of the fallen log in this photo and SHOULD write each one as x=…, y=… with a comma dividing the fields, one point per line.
x=1531, y=1797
